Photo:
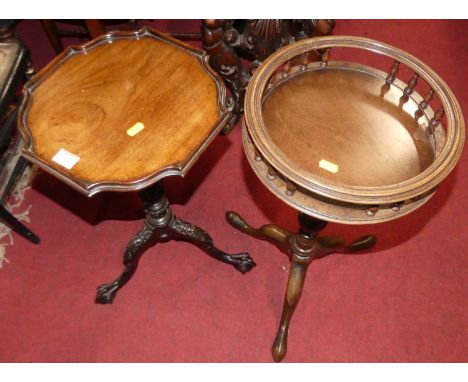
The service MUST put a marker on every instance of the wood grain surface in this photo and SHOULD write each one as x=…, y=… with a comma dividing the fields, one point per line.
x=335, y=124
x=385, y=137
x=86, y=103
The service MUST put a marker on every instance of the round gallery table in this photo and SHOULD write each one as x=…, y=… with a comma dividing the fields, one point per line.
x=343, y=141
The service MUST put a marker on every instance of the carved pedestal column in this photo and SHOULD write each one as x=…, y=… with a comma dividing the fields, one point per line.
x=228, y=42
x=302, y=248
x=162, y=225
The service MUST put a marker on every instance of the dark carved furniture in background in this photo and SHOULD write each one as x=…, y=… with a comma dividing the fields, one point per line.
x=14, y=70
x=230, y=42
x=89, y=29
x=93, y=28
x=116, y=131
x=342, y=141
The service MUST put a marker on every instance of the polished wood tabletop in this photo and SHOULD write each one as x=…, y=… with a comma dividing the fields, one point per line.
x=336, y=124
x=345, y=141
x=122, y=111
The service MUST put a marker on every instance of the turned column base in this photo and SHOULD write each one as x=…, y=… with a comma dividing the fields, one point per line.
x=161, y=225
x=302, y=247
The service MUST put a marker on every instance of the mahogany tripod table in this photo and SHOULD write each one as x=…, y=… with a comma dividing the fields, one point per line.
x=345, y=142
x=121, y=113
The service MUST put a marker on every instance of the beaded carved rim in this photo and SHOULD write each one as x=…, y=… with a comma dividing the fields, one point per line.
x=423, y=182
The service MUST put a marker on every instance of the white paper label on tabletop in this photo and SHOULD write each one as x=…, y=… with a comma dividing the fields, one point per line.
x=66, y=159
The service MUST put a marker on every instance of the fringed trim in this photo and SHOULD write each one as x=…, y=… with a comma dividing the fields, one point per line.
x=14, y=201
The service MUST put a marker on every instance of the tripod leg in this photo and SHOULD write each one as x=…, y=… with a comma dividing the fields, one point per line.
x=181, y=230
x=270, y=232
x=303, y=248
x=293, y=294
x=333, y=244
x=157, y=216
x=135, y=248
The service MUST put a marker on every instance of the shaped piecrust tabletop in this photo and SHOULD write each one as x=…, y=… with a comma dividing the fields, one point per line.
x=122, y=112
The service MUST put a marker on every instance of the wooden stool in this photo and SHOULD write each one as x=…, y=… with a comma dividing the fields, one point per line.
x=121, y=113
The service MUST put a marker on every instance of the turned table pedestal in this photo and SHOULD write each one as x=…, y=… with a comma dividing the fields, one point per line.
x=121, y=113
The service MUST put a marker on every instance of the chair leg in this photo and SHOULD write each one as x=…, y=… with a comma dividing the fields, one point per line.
x=95, y=27
x=17, y=226
x=52, y=35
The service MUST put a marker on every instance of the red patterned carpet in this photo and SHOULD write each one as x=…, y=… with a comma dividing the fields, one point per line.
x=404, y=302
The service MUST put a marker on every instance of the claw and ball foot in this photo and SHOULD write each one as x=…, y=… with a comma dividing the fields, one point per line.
x=162, y=225
x=135, y=248
x=302, y=248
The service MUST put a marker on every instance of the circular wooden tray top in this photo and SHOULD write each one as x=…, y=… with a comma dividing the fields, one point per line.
x=339, y=142
x=334, y=124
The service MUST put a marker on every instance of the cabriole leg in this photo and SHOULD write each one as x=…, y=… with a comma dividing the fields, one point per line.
x=133, y=252
x=181, y=230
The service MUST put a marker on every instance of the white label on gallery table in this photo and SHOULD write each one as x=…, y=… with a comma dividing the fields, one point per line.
x=329, y=166
x=66, y=159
